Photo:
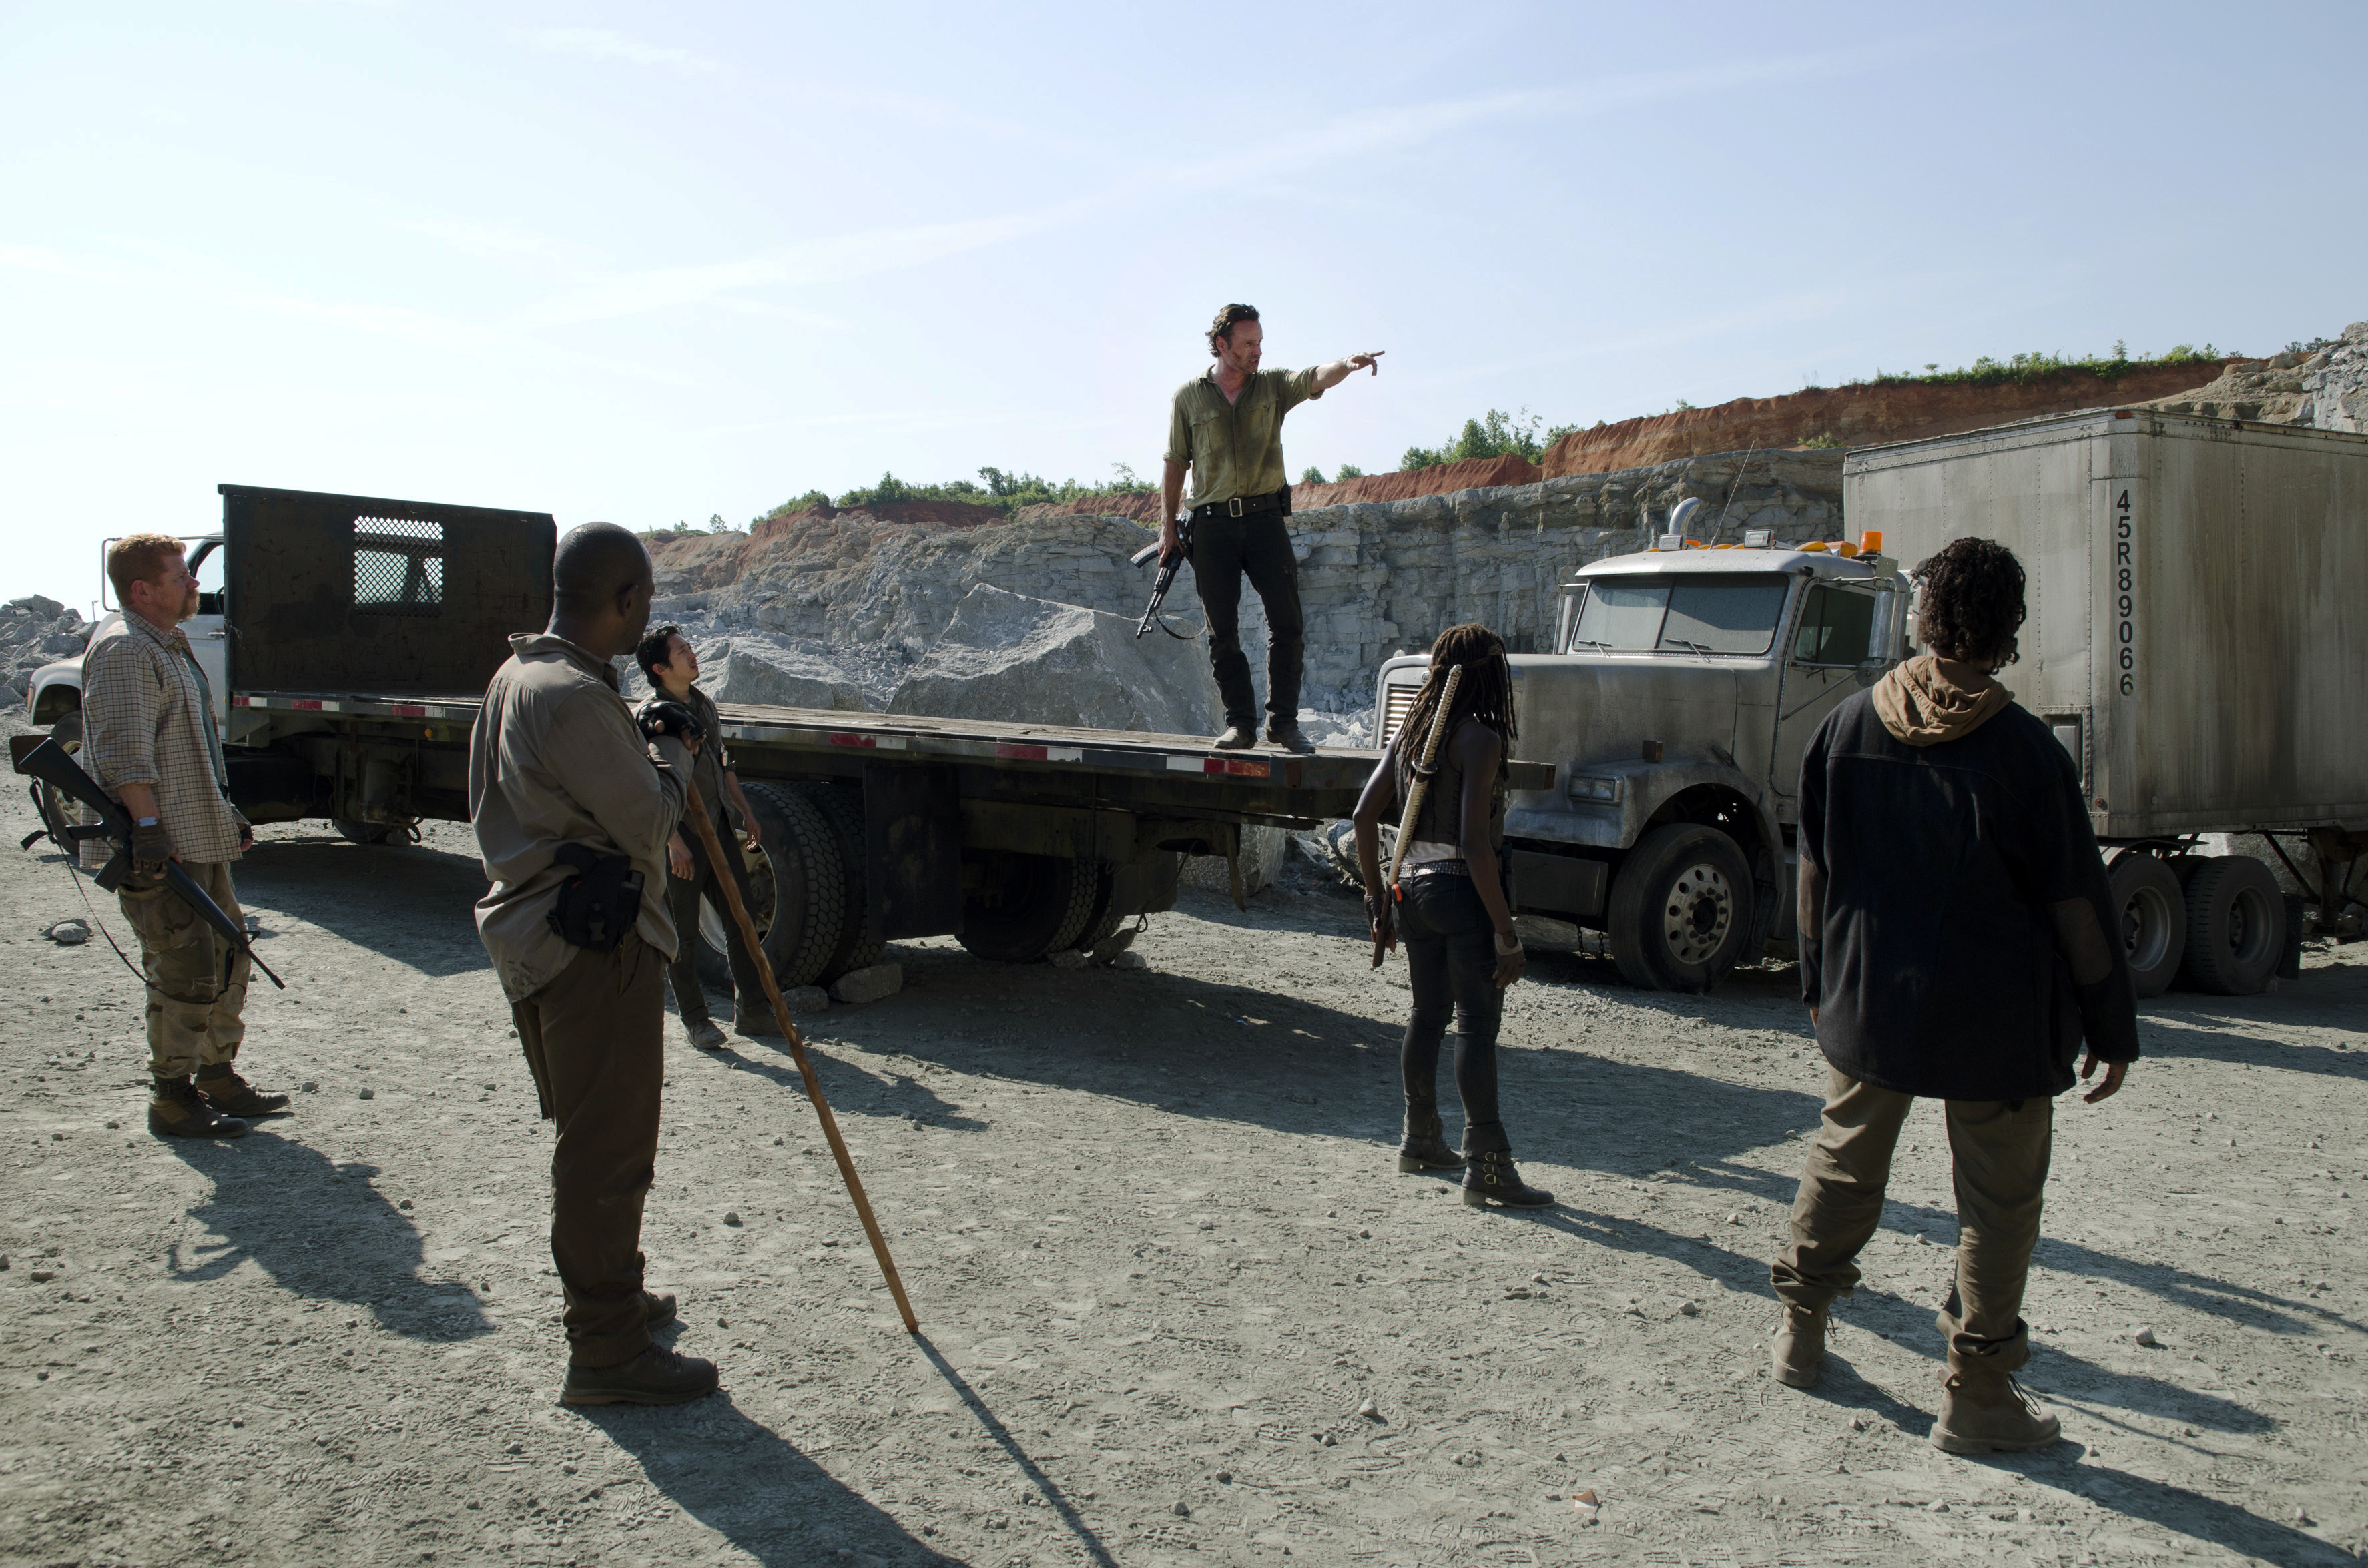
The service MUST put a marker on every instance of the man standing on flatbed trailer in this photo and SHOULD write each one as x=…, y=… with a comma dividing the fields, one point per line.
x=1227, y=426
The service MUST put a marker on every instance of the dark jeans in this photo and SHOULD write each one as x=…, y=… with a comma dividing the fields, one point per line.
x=594, y=1040
x=682, y=897
x=1450, y=952
x=1226, y=550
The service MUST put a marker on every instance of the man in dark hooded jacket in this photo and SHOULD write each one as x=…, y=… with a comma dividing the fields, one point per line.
x=1953, y=913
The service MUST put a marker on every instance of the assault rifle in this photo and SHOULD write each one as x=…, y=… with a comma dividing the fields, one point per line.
x=1165, y=579
x=55, y=773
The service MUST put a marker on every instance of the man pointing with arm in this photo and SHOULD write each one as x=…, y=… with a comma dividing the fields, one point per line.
x=1226, y=426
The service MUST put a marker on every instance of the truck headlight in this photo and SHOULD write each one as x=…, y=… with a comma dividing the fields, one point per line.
x=1588, y=791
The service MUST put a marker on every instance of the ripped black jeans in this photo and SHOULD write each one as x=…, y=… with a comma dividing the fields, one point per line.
x=1450, y=952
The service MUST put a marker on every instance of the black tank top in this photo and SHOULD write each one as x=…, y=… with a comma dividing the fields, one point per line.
x=1442, y=805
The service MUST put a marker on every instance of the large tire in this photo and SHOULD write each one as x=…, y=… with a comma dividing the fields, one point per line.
x=842, y=807
x=2236, y=926
x=1680, y=912
x=1103, y=919
x=797, y=887
x=60, y=811
x=2152, y=910
x=1027, y=907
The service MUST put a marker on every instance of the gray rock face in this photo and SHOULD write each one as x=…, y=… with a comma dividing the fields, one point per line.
x=35, y=630
x=1009, y=657
x=2335, y=384
x=745, y=670
x=1261, y=858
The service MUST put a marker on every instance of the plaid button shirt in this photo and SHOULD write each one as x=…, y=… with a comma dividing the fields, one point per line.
x=148, y=718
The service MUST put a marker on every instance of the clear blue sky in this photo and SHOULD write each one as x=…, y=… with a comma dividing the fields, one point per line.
x=648, y=264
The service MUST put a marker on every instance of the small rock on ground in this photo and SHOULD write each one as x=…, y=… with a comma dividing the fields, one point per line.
x=870, y=984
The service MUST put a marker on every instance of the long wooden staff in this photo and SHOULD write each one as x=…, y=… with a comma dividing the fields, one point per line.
x=1420, y=788
x=730, y=885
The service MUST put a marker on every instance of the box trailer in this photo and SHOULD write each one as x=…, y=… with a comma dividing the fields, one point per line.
x=2195, y=639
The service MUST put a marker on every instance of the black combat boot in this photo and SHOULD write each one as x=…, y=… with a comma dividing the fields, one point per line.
x=1425, y=1148
x=177, y=1110
x=233, y=1095
x=1491, y=1177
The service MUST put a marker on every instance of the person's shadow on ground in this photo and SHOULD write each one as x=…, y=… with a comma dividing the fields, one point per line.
x=740, y=1479
x=321, y=1231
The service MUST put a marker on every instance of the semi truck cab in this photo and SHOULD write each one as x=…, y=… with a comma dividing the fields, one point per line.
x=1683, y=685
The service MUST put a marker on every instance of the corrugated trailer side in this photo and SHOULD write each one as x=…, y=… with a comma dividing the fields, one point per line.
x=2194, y=632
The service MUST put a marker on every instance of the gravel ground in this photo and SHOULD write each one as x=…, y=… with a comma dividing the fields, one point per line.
x=1177, y=1307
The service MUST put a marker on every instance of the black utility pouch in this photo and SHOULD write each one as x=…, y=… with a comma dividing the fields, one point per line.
x=1283, y=499
x=598, y=904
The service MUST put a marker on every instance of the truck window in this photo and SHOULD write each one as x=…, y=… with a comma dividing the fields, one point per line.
x=398, y=566
x=1836, y=627
x=206, y=564
x=1704, y=613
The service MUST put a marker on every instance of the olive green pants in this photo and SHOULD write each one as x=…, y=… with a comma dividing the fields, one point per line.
x=1999, y=1150
x=194, y=1005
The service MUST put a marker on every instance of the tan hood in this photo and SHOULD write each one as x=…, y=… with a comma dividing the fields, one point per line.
x=1930, y=700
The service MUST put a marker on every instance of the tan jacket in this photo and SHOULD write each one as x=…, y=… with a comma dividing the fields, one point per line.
x=556, y=758
x=148, y=718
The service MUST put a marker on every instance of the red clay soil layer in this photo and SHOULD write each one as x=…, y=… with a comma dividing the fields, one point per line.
x=712, y=561
x=1857, y=417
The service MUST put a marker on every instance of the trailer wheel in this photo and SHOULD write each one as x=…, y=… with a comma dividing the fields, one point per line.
x=842, y=808
x=2235, y=926
x=797, y=887
x=2153, y=921
x=1680, y=910
x=1025, y=907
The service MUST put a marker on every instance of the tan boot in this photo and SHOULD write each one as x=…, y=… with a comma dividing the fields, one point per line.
x=1984, y=1410
x=1797, y=1357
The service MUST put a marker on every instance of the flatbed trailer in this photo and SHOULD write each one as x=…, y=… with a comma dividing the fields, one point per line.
x=1021, y=840
x=352, y=637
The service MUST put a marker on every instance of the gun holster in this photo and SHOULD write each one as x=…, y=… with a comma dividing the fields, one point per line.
x=598, y=904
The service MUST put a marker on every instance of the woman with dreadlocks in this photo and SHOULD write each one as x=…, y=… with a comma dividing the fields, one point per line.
x=1448, y=907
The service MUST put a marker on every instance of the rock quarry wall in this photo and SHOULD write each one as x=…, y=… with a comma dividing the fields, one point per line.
x=34, y=630
x=870, y=596
x=2326, y=389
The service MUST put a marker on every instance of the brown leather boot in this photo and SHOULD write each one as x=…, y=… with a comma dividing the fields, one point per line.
x=177, y=1110
x=1984, y=1410
x=233, y=1095
x=1796, y=1355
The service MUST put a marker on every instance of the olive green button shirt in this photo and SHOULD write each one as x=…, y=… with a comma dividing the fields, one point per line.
x=1236, y=448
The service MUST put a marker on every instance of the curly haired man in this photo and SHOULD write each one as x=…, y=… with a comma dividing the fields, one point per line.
x=1226, y=425
x=1955, y=917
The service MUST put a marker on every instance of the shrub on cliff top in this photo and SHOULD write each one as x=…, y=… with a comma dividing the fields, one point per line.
x=2025, y=368
x=1006, y=493
x=1496, y=434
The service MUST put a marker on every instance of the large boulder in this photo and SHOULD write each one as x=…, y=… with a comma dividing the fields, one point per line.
x=741, y=670
x=1009, y=657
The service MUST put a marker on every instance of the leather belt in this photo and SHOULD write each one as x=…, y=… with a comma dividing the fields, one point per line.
x=1241, y=505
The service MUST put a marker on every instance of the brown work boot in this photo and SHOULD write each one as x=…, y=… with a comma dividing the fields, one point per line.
x=1796, y=1355
x=233, y=1095
x=756, y=1020
x=656, y=1310
x=1984, y=1410
x=1286, y=733
x=704, y=1033
x=177, y=1110
x=1238, y=737
x=657, y=1376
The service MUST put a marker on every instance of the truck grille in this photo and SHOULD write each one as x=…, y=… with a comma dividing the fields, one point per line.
x=1398, y=697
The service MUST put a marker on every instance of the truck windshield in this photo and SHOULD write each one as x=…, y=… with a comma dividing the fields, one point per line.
x=1698, y=613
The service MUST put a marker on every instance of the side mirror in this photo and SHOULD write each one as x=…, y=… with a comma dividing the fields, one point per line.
x=1882, y=630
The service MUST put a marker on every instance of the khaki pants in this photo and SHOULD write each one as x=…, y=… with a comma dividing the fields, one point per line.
x=593, y=1041
x=193, y=1016
x=1999, y=1149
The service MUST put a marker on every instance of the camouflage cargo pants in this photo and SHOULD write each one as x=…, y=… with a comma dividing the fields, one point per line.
x=193, y=1015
